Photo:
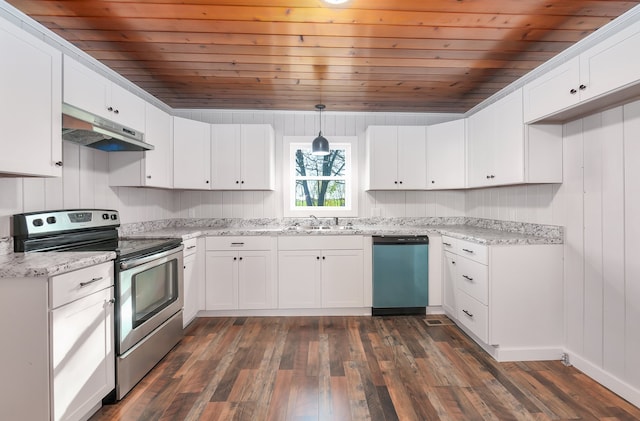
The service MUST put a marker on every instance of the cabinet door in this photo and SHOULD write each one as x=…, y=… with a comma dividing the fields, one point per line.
x=299, y=279
x=508, y=141
x=412, y=168
x=257, y=157
x=382, y=157
x=128, y=109
x=159, y=161
x=191, y=154
x=342, y=278
x=221, y=288
x=86, y=89
x=255, y=285
x=445, y=155
x=553, y=91
x=225, y=156
x=449, y=287
x=30, y=104
x=82, y=354
x=191, y=290
x=480, y=131
x=611, y=64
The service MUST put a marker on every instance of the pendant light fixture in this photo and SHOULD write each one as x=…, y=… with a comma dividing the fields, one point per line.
x=320, y=145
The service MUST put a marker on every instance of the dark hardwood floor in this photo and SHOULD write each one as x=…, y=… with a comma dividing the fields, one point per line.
x=354, y=368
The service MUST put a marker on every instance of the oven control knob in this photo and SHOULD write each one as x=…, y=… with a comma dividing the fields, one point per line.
x=105, y=216
x=114, y=216
x=51, y=220
x=38, y=222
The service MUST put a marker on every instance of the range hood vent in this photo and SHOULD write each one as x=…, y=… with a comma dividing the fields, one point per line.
x=96, y=132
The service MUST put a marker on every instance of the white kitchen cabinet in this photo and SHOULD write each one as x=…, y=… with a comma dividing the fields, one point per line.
x=492, y=291
x=30, y=104
x=191, y=154
x=194, y=299
x=149, y=168
x=320, y=272
x=240, y=273
x=90, y=91
x=599, y=76
x=396, y=158
x=502, y=150
x=60, y=357
x=242, y=157
x=446, y=155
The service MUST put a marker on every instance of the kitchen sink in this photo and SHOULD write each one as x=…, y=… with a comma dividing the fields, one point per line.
x=318, y=227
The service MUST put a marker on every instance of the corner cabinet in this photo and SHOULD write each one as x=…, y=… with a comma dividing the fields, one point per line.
x=242, y=157
x=149, y=168
x=240, y=273
x=321, y=272
x=502, y=150
x=191, y=154
x=492, y=291
x=90, y=91
x=60, y=357
x=445, y=155
x=30, y=104
x=396, y=158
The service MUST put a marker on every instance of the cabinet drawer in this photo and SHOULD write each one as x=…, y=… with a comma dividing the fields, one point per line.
x=472, y=279
x=321, y=242
x=71, y=286
x=190, y=246
x=449, y=244
x=474, y=315
x=473, y=251
x=239, y=243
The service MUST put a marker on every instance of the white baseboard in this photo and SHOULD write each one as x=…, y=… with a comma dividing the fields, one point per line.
x=608, y=380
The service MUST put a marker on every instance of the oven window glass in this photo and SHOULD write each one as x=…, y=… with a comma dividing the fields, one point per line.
x=153, y=290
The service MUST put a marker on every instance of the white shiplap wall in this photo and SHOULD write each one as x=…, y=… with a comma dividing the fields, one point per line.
x=599, y=206
x=240, y=204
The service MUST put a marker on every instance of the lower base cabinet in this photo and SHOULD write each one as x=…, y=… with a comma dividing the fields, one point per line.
x=59, y=352
x=507, y=297
x=320, y=272
x=193, y=279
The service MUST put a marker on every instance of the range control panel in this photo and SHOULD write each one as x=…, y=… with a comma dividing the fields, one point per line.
x=48, y=222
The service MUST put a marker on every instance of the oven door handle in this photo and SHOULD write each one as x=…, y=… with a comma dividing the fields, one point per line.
x=128, y=264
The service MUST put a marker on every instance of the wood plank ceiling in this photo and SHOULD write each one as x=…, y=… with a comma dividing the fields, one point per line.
x=365, y=55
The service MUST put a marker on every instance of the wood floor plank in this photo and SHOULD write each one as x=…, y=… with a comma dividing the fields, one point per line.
x=354, y=368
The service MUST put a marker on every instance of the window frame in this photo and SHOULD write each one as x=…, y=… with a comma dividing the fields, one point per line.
x=290, y=144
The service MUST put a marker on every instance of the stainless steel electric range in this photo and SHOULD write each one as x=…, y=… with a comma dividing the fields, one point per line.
x=148, y=282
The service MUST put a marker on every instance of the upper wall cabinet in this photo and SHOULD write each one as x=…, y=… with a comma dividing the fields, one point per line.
x=242, y=157
x=598, y=77
x=396, y=158
x=445, y=155
x=30, y=104
x=90, y=91
x=150, y=168
x=502, y=150
x=191, y=154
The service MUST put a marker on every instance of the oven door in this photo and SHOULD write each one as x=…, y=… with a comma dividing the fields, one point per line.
x=149, y=291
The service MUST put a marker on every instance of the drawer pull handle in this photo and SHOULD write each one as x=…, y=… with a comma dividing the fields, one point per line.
x=467, y=313
x=94, y=280
x=191, y=247
x=467, y=250
x=446, y=244
x=467, y=277
x=237, y=244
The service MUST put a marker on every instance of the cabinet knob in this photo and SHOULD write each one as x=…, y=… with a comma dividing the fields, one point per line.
x=323, y=257
x=148, y=176
x=235, y=258
x=207, y=181
x=110, y=109
x=237, y=182
x=492, y=176
x=453, y=262
x=58, y=163
x=116, y=111
x=111, y=301
x=488, y=176
x=401, y=182
x=573, y=91
x=241, y=258
x=317, y=257
x=433, y=181
x=582, y=87
x=242, y=182
x=395, y=182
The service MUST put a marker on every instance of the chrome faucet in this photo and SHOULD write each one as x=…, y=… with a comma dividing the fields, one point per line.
x=314, y=217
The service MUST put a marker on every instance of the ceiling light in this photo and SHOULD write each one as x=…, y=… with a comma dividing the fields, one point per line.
x=320, y=145
x=335, y=1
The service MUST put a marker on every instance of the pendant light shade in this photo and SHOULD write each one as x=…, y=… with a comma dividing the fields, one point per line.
x=320, y=145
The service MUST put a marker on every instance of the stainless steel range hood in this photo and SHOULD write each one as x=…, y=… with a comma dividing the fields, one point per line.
x=96, y=132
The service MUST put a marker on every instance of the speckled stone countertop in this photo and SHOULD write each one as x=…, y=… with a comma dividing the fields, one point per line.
x=27, y=265
x=469, y=230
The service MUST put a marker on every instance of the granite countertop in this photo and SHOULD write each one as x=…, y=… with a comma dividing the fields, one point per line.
x=466, y=232
x=27, y=265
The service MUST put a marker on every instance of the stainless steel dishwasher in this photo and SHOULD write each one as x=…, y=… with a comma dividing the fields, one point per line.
x=400, y=275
